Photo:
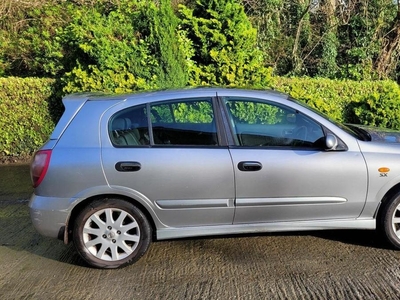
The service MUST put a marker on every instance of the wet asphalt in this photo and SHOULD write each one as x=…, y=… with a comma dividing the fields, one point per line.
x=311, y=265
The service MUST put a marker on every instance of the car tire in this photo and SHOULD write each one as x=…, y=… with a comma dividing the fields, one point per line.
x=390, y=221
x=111, y=233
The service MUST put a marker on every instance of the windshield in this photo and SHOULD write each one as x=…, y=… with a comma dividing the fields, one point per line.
x=356, y=132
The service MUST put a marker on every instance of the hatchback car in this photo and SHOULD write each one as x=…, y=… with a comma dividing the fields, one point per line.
x=121, y=170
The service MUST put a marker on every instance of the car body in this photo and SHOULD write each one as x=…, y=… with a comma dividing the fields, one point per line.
x=120, y=170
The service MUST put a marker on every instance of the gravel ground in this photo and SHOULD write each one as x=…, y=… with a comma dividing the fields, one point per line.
x=311, y=265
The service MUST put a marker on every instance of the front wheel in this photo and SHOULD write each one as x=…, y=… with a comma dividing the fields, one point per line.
x=111, y=233
x=390, y=221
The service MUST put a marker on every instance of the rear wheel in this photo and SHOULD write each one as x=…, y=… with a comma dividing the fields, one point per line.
x=111, y=233
x=390, y=221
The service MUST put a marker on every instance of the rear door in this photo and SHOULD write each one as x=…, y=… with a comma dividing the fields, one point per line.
x=173, y=160
x=282, y=172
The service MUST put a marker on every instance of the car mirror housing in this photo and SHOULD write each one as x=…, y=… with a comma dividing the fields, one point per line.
x=331, y=142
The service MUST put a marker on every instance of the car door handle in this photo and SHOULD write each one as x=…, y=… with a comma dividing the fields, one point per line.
x=128, y=166
x=249, y=166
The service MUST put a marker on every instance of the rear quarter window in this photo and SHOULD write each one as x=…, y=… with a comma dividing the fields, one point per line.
x=129, y=127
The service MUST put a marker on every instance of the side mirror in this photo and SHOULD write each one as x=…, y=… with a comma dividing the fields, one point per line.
x=331, y=142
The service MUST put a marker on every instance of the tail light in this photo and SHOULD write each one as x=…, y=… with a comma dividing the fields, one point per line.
x=39, y=166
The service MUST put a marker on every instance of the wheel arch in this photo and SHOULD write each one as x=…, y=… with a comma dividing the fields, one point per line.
x=77, y=208
x=385, y=200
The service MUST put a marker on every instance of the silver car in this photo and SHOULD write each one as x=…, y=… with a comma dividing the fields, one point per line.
x=121, y=170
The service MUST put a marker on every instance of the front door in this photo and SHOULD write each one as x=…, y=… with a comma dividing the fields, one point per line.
x=282, y=172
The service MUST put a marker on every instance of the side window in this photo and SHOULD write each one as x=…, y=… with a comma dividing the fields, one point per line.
x=129, y=127
x=258, y=123
x=184, y=122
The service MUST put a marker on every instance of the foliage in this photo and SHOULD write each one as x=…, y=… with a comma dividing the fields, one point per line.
x=356, y=39
x=33, y=48
x=172, y=71
x=133, y=47
x=265, y=17
x=327, y=66
x=29, y=111
x=361, y=102
x=223, y=49
x=216, y=44
x=380, y=108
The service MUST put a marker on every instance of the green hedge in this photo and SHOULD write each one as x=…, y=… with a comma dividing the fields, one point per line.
x=375, y=103
x=29, y=110
x=30, y=107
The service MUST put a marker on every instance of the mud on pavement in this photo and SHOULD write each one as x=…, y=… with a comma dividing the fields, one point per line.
x=311, y=265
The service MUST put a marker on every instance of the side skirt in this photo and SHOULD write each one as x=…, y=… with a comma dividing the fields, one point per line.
x=183, y=232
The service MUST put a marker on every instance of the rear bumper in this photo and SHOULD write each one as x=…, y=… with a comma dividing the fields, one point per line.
x=49, y=215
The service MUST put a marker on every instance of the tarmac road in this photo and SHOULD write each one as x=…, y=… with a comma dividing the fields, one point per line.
x=311, y=265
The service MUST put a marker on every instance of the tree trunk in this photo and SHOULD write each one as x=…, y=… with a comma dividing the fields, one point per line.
x=297, y=61
x=387, y=59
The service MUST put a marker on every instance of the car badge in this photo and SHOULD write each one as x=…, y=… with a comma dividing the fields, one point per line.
x=383, y=171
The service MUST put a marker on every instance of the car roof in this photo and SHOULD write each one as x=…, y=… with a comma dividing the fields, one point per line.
x=176, y=93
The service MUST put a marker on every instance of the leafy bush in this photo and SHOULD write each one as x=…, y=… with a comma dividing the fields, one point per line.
x=111, y=56
x=132, y=47
x=33, y=47
x=361, y=102
x=163, y=36
x=29, y=111
x=222, y=45
x=380, y=108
